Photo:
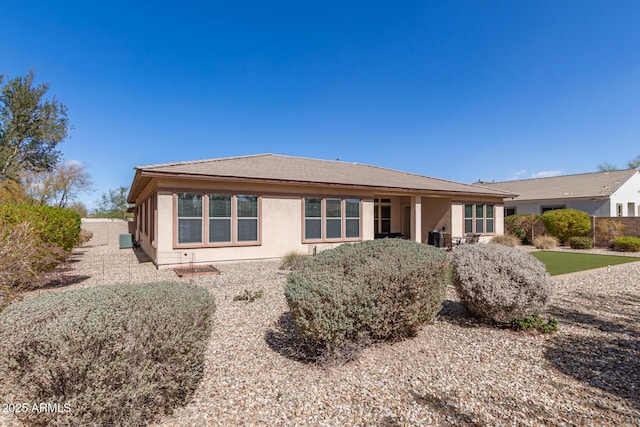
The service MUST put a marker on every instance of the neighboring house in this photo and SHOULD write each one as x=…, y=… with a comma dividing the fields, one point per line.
x=602, y=194
x=264, y=206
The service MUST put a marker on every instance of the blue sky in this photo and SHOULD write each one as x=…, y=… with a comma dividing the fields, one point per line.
x=462, y=90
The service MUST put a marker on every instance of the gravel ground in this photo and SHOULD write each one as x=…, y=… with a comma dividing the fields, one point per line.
x=456, y=371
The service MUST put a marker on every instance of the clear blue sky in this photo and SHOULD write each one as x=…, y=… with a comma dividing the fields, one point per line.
x=462, y=90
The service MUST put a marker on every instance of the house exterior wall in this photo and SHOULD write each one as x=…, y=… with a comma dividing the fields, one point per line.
x=628, y=195
x=600, y=207
x=281, y=219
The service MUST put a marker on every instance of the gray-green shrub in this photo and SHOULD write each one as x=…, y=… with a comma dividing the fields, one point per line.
x=500, y=283
x=374, y=290
x=114, y=355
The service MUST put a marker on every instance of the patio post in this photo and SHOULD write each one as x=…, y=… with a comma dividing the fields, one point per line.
x=416, y=218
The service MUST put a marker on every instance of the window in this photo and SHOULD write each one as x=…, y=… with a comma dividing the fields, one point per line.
x=333, y=212
x=189, y=218
x=331, y=218
x=352, y=214
x=382, y=216
x=219, y=218
x=479, y=218
x=312, y=218
x=247, y=218
x=223, y=218
x=468, y=218
x=510, y=211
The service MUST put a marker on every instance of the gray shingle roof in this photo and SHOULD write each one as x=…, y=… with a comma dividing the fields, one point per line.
x=585, y=185
x=288, y=169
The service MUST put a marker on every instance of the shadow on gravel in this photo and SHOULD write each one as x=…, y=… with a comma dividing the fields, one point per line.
x=455, y=313
x=283, y=339
x=607, y=358
x=65, y=280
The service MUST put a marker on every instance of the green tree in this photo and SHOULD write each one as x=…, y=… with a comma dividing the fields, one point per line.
x=634, y=163
x=113, y=204
x=30, y=128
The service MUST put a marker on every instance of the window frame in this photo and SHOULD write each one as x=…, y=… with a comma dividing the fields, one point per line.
x=474, y=218
x=324, y=218
x=205, y=218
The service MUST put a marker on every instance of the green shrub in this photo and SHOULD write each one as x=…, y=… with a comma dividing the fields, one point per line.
x=54, y=226
x=500, y=283
x=627, y=244
x=506, y=239
x=521, y=225
x=375, y=290
x=113, y=355
x=581, y=242
x=566, y=223
x=545, y=242
x=293, y=260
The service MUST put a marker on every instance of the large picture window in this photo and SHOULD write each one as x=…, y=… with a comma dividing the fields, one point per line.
x=331, y=218
x=479, y=219
x=225, y=219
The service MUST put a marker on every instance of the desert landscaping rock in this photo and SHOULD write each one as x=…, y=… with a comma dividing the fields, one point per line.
x=456, y=371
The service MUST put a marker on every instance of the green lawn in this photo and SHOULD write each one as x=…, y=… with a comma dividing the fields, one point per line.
x=569, y=262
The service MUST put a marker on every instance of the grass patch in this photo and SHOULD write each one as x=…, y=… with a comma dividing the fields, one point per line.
x=569, y=262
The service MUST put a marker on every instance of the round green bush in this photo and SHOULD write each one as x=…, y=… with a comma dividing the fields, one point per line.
x=627, y=244
x=111, y=355
x=566, y=223
x=581, y=242
x=375, y=290
x=500, y=283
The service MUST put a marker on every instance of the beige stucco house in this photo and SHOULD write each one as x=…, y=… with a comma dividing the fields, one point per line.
x=264, y=206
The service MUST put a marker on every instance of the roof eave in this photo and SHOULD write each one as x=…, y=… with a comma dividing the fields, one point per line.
x=140, y=174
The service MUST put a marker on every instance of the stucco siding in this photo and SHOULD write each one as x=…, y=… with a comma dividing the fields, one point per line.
x=599, y=207
x=627, y=194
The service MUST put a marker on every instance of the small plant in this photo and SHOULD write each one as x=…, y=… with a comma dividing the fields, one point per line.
x=566, y=223
x=536, y=323
x=545, y=242
x=627, y=244
x=510, y=240
x=608, y=230
x=85, y=236
x=378, y=290
x=293, y=260
x=115, y=355
x=581, y=242
x=248, y=296
x=500, y=283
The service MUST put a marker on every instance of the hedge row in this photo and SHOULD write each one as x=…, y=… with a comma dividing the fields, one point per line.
x=53, y=226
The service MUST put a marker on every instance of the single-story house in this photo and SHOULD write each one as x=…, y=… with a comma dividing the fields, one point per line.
x=601, y=194
x=264, y=206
